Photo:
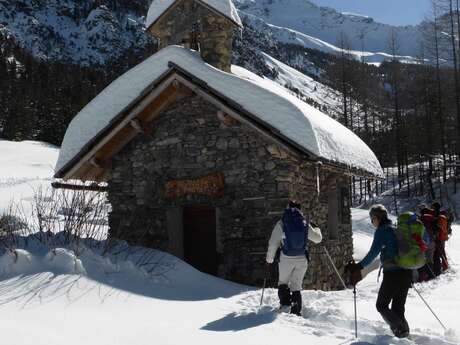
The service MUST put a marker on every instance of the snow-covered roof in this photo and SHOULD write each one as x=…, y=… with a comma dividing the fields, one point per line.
x=270, y=103
x=225, y=7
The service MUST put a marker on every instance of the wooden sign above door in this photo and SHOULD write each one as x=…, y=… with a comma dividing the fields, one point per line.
x=211, y=185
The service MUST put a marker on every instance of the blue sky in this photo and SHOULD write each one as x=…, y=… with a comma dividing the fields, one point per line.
x=396, y=12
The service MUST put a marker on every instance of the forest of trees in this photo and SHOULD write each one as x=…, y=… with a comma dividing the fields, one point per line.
x=409, y=114
x=38, y=99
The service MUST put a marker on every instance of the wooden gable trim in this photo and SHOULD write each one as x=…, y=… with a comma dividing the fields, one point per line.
x=110, y=142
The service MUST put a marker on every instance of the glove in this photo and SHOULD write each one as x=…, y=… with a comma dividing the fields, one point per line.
x=269, y=261
x=353, y=271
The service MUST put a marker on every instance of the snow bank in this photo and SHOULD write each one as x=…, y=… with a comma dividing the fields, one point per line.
x=58, y=261
x=314, y=131
x=225, y=7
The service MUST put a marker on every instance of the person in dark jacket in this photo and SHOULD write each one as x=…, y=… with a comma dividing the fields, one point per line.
x=396, y=281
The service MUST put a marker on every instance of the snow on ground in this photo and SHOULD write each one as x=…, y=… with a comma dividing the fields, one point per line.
x=52, y=296
x=24, y=167
x=116, y=302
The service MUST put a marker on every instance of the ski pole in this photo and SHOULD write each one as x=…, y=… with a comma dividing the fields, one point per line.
x=356, y=313
x=345, y=286
x=335, y=268
x=428, y=306
x=263, y=288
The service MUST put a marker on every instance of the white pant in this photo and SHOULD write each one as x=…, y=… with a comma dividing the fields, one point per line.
x=292, y=271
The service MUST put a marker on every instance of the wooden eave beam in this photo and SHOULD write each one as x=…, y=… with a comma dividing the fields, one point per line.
x=71, y=186
x=122, y=133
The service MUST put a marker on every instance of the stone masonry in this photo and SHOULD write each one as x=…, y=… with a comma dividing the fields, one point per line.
x=188, y=21
x=190, y=140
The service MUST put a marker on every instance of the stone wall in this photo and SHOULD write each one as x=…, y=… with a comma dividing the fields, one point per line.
x=190, y=140
x=215, y=32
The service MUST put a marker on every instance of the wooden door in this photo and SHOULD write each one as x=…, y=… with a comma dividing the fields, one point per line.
x=200, y=238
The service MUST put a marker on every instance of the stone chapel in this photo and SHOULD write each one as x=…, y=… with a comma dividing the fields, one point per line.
x=200, y=157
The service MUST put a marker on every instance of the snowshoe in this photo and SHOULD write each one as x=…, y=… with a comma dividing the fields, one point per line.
x=284, y=309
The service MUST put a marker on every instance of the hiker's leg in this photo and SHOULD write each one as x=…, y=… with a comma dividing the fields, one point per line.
x=437, y=259
x=285, y=269
x=404, y=282
x=385, y=296
x=296, y=285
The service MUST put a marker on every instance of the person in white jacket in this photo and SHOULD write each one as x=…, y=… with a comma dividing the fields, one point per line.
x=293, y=263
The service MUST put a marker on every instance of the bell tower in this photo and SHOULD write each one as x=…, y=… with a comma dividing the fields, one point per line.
x=203, y=25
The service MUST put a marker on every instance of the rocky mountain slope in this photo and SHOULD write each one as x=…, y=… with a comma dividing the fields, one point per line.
x=91, y=32
x=304, y=23
x=84, y=32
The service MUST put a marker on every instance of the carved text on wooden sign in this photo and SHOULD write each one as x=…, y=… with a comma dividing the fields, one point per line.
x=211, y=185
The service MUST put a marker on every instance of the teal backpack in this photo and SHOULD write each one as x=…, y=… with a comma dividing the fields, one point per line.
x=411, y=247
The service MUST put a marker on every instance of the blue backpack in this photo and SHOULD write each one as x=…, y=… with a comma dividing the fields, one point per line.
x=295, y=232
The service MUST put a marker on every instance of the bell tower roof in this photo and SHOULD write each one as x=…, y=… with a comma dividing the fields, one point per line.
x=224, y=7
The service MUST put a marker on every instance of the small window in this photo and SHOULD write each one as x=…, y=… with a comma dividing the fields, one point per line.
x=345, y=217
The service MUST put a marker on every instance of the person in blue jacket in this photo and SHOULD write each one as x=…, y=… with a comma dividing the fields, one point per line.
x=396, y=280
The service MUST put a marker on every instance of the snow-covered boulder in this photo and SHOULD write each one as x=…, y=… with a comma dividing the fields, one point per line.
x=18, y=261
x=63, y=261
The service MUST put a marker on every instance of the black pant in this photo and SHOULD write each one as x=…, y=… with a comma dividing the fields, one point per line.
x=437, y=257
x=394, y=289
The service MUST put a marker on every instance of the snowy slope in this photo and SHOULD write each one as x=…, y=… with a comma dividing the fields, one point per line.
x=321, y=27
x=24, y=167
x=320, y=95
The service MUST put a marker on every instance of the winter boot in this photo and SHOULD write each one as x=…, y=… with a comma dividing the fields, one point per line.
x=284, y=294
x=401, y=330
x=401, y=333
x=296, y=303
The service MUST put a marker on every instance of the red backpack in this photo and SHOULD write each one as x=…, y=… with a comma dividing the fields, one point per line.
x=443, y=228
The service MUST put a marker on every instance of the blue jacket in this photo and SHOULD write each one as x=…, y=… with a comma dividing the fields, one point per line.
x=385, y=244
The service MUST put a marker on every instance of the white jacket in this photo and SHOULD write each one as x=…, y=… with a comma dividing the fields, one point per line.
x=276, y=240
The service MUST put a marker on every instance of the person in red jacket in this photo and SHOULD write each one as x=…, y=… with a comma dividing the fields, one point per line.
x=427, y=271
x=443, y=236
